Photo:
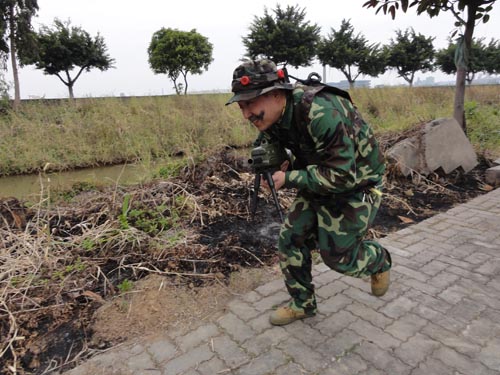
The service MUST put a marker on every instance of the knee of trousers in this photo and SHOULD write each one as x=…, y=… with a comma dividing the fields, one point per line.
x=337, y=262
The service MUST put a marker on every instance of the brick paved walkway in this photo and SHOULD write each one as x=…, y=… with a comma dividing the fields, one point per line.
x=441, y=315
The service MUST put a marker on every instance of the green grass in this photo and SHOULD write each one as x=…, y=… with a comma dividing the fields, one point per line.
x=67, y=134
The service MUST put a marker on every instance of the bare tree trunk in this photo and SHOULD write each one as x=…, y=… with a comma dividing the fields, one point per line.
x=185, y=83
x=12, y=26
x=458, y=109
x=70, y=89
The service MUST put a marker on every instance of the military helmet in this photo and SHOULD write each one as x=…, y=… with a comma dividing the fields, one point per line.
x=256, y=77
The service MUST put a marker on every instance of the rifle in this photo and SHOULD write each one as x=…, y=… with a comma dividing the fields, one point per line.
x=265, y=159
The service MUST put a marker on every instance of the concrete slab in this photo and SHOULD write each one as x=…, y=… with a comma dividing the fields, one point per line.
x=447, y=146
x=439, y=144
x=492, y=176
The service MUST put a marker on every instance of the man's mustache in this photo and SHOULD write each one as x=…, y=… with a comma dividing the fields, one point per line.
x=258, y=117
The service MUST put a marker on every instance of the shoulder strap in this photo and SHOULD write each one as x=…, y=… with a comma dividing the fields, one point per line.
x=313, y=79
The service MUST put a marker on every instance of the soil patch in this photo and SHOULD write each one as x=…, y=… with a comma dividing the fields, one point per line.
x=82, y=276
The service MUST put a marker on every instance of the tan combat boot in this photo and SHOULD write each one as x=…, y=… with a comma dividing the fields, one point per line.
x=285, y=315
x=380, y=283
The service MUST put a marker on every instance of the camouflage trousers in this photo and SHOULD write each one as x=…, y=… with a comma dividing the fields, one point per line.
x=336, y=227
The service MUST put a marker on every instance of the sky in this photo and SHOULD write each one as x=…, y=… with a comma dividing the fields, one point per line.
x=127, y=27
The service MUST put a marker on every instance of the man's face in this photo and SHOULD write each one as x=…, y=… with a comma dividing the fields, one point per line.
x=264, y=110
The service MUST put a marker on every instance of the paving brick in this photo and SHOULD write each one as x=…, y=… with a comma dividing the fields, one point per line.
x=434, y=267
x=326, y=277
x=398, y=307
x=452, y=340
x=272, y=301
x=443, y=280
x=408, y=272
x=466, y=311
x=469, y=274
x=334, y=304
x=235, y=327
x=187, y=361
x=243, y=310
x=340, y=345
x=406, y=326
x=267, y=363
x=454, y=294
x=490, y=355
x=483, y=329
x=461, y=362
x=331, y=289
x=161, y=350
x=308, y=358
x=229, y=351
x=335, y=323
x=420, y=286
x=490, y=268
x=433, y=366
x=424, y=299
x=382, y=359
x=196, y=337
x=351, y=364
x=213, y=366
x=290, y=369
x=370, y=315
x=265, y=341
x=260, y=323
x=375, y=334
x=252, y=297
x=416, y=350
x=395, y=250
x=438, y=318
x=365, y=297
x=271, y=287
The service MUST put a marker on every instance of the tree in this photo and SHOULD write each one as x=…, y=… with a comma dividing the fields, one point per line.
x=285, y=39
x=64, y=48
x=475, y=11
x=410, y=53
x=492, y=57
x=16, y=34
x=351, y=54
x=174, y=52
x=480, y=59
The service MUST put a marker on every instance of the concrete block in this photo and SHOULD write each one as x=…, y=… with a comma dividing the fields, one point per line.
x=439, y=144
x=407, y=155
x=492, y=176
x=447, y=146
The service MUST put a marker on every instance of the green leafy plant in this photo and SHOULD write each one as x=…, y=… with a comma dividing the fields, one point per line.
x=152, y=221
x=125, y=286
x=88, y=244
x=122, y=218
x=483, y=125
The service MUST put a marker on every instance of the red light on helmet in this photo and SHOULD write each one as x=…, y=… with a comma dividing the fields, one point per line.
x=281, y=74
x=245, y=80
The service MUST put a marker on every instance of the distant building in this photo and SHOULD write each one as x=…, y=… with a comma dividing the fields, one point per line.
x=427, y=81
x=344, y=84
x=430, y=81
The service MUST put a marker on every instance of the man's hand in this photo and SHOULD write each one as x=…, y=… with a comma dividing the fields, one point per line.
x=278, y=179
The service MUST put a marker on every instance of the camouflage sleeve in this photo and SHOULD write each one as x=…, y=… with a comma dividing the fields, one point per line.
x=331, y=131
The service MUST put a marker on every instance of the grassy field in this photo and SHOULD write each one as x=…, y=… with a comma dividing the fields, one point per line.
x=62, y=135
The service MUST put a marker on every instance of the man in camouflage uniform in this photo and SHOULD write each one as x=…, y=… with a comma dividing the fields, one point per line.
x=337, y=170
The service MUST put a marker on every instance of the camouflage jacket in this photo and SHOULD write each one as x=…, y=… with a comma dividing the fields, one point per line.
x=334, y=148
